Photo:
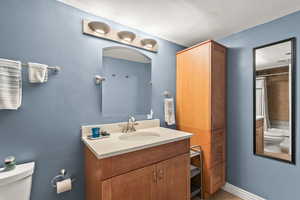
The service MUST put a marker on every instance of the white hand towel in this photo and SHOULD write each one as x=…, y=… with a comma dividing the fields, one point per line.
x=37, y=73
x=10, y=84
x=169, y=111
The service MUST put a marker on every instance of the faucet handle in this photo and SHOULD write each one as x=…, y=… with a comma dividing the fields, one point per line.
x=131, y=118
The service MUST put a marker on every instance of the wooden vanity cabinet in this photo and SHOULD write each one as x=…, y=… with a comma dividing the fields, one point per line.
x=201, y=106
x=156, y=173
x=173, y=181
x=134, y=185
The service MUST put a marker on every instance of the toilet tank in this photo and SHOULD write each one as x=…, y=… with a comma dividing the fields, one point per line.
x=16, y=184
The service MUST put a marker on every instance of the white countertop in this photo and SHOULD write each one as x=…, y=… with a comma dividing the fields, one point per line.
x=113, y=145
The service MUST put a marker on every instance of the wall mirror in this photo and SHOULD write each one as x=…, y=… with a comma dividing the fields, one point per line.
x=274, y=134
x=127, y=89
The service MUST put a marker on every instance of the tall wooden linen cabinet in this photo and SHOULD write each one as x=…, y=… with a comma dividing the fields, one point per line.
x=201, y=106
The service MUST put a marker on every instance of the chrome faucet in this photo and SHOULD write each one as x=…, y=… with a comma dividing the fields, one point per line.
x=130, y=126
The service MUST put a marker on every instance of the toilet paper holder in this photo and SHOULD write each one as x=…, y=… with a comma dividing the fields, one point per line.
x=60, y=177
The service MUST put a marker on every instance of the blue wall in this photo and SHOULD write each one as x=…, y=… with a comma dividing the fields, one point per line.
x=46, y=129
x=130, y=95
x=271, y=179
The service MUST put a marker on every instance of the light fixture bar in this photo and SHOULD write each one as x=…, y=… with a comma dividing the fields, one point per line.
x=104, y=31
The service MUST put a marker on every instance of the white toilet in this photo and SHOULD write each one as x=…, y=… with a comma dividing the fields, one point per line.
x=285, y=145
x=273, y=138
x=16, y=184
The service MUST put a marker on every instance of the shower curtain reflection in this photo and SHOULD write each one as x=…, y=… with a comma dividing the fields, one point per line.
x=262, y=101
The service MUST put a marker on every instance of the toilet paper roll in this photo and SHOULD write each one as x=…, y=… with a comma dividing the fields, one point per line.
x=63, y=186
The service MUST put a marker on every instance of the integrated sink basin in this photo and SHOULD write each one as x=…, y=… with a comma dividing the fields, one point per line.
x=148, y=134
x=139, y=136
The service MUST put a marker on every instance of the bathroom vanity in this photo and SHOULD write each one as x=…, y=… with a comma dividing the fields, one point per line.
x=148, y=164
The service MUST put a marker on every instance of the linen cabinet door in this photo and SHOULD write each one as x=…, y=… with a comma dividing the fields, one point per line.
x=136, y=185
x=192, y=87
x=173, y=178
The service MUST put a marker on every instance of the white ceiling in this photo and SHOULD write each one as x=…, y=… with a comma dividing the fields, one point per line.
x=273, y=56
x=188, y=22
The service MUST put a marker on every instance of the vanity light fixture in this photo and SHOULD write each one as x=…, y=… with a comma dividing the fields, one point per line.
x=148, y=43
x=126, y=36
x=99, y=27
x=105, y=31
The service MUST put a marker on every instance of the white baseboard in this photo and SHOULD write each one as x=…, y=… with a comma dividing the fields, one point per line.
x=243, y=194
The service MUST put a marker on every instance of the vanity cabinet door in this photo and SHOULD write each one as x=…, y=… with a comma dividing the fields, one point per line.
x=135, y=185
x=173, y=178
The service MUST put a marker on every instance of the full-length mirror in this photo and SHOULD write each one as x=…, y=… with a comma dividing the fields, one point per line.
x=273, y=100
x=127, y=87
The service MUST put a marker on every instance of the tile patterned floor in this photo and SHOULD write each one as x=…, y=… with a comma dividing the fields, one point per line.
x=222, y=195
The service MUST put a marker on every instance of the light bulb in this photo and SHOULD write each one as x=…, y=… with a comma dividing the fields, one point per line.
x=101, y=31
x=127, y=39
x=149, y=46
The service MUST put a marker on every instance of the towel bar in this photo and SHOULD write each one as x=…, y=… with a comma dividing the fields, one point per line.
x=54, y=68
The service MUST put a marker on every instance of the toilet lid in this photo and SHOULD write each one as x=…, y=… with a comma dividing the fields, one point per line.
x=273, y=139
x=276, y=132
x=20, y=172
x=270, y=134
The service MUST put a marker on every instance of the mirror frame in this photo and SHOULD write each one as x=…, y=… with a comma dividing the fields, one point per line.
x=293, y=64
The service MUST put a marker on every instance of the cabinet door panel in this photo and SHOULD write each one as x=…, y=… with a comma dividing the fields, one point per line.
x=173, y=178
x=217, y=177
x=218, y=87
x=218, y=147
x=193, y=88
x=214, y=178
x=136, y=185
